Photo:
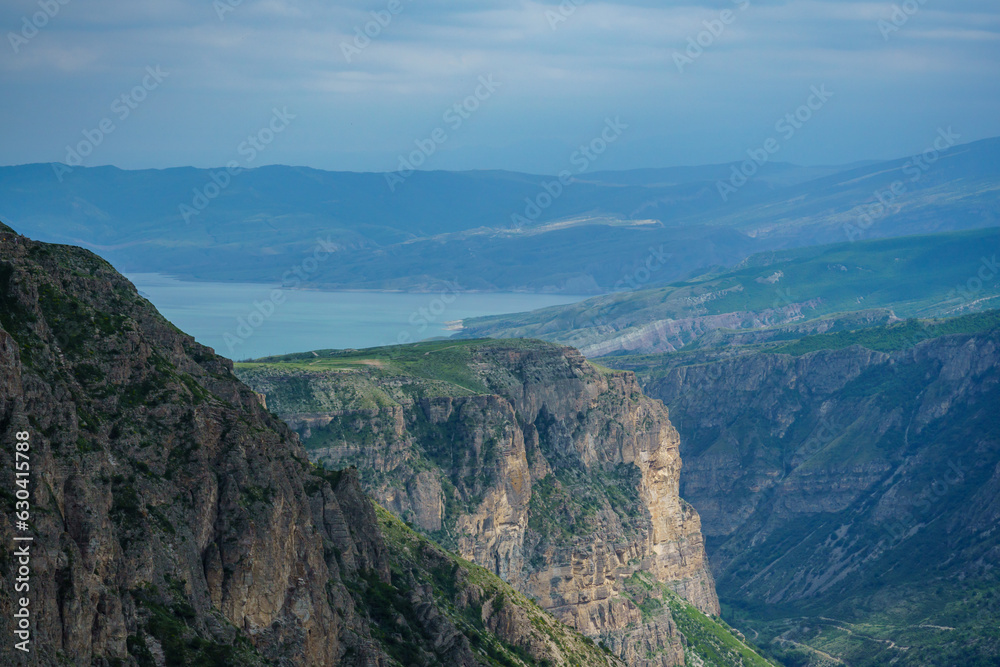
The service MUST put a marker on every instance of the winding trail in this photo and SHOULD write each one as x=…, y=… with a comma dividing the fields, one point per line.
x=837, y=624
x=810, y=648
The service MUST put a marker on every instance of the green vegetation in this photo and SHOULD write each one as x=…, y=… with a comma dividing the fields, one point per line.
x=250, y=495
x=547, y=509
x=318, y=475
x=941, y=625
x=417, y=563
x=910, y=274
x=894, y=337
x=74, y=323
x=568, y=503
x=915, y=276
x=126, y=511
x=446, y=362
x=708, y=641
x=168, y=619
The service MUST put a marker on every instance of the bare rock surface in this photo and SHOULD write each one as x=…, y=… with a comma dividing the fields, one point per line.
x=558, y=476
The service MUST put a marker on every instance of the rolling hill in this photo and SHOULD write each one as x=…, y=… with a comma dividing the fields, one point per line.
x=776, y=296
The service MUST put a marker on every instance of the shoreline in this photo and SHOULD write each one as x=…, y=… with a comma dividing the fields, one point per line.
x=268, y=285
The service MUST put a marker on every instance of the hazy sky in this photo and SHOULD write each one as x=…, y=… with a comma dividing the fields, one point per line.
x=558, y=72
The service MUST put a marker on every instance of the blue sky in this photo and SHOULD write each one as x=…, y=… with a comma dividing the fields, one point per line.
x=559, y=72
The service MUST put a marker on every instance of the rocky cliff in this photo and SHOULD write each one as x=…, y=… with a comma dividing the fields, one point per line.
x=558, y=476
x=174, y=521
x=850, y=486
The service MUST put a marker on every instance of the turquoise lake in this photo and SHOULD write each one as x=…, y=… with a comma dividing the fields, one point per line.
x=250, y=320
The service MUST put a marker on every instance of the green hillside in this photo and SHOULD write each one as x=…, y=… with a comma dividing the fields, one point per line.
x=917, y=276
x=894, y=337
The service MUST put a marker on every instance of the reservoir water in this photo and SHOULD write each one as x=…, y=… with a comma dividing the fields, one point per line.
x=251, y=320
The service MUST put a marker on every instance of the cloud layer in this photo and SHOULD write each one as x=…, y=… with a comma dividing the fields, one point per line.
x=696, y=82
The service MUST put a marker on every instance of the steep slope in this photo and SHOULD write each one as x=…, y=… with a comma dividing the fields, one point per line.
x=849, y=491
x=173, y=520
x=557, y=476
x=776, y=295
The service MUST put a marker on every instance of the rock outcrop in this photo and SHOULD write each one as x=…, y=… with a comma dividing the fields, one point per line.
x=560, y=477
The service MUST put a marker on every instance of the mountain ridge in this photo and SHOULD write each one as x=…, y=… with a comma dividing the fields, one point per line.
x=775, y=295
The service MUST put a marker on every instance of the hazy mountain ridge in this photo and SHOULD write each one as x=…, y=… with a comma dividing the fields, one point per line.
x=776, y=295
x=464, y=227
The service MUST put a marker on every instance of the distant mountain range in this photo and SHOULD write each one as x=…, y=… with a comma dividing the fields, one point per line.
x=587, y=233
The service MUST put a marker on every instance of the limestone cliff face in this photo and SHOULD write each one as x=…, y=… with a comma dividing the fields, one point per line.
x=559, y=477
x=175, y=521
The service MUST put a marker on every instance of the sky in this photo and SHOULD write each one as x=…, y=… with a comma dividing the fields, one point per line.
x=360, y=86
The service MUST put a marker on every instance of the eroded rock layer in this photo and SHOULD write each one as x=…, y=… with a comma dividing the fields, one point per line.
x=560, y=477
